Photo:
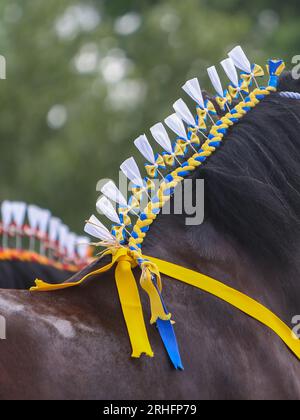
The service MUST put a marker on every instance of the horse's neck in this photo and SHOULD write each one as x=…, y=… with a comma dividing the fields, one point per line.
x=204, y=250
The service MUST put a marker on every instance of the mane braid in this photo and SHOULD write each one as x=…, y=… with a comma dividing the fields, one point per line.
x=215, y=139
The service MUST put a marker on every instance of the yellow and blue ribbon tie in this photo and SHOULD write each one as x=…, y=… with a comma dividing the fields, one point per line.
x=149, y=187
x=152, y=170
x=209, y=108
x=178, y=151
x=242, y=88
x=257, y=71
x=224, y=100
x=275, y=68
x=200, y=121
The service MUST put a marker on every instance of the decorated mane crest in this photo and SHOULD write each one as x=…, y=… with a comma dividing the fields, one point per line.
x=198, y=136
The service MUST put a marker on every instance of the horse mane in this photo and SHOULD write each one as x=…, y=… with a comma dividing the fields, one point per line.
x=252, y=183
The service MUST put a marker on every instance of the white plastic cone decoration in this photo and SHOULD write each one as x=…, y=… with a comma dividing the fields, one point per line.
x=44, y=218
x=113, y=193
x=7, y=218
x=132, y=172
x=7, y=214
x=240, y=59
x=143, y=145
x=33, y=217
x=96, y=229
x=175, y=124
x=104, y=206
x=54, y=225
x=19, y=213
x=184, y=113
x=161, y=136
x=82, y=247
x=215, y=80
x=193, y=89
x=70, y=246
x=230, y=70
x=62, y=238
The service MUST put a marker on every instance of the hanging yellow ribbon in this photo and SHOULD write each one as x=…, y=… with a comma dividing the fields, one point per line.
x=235, y=298
x=128, y=294
x=131, y=305
x=132, y=308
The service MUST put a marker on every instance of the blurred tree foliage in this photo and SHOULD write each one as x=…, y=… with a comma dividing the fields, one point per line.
x=86, y=78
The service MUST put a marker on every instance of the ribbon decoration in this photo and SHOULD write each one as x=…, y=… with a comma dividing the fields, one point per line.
x=243, y=88
x=222, y=101
x=209, y=109
x=152, y=170
x=132, y=309
x=170, y=158
x=275, y=68
x=149, y=187
x=257, y=71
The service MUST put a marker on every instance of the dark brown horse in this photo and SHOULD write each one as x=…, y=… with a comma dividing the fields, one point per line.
x=73, y=344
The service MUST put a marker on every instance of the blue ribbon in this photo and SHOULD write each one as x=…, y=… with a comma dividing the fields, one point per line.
x=168, y=337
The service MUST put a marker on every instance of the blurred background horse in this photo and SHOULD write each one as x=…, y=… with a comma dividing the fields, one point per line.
x=36, y=244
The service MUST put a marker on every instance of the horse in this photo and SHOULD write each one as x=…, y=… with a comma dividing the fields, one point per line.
x=20, y=275
x=72, y=344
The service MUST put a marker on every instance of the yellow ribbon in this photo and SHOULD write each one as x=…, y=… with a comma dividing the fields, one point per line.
x=235, y=298
x=132, y=308
x=128, y=294
x=131, y=305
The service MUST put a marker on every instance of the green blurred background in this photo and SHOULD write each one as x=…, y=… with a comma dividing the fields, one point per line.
x=84, y=79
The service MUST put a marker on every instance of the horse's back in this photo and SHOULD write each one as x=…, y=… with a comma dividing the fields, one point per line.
x=67, y=346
